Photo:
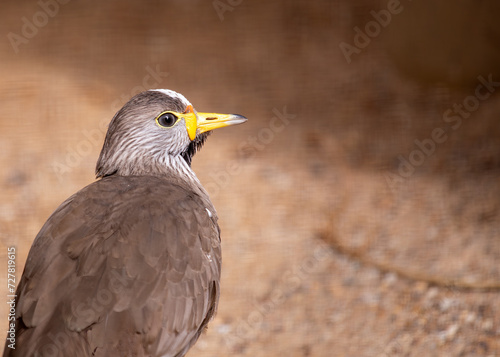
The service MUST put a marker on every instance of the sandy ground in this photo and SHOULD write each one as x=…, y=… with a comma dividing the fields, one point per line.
x=357, y=217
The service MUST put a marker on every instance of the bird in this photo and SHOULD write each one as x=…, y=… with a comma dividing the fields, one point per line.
x=130, y=265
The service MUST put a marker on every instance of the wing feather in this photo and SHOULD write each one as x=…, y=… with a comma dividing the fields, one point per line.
x=127, y=266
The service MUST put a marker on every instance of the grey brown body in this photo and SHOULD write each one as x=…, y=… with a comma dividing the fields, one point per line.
x=128, y=266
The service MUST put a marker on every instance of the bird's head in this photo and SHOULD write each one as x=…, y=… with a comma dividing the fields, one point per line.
x=156, y=131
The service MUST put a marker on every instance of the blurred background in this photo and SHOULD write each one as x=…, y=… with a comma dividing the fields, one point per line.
x=359, y=205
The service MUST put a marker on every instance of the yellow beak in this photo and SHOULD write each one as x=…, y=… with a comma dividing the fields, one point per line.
x=197, y=123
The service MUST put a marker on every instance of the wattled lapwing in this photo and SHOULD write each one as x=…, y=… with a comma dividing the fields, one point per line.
x=129, y=265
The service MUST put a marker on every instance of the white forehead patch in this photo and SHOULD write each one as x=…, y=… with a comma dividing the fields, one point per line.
x=173, y=94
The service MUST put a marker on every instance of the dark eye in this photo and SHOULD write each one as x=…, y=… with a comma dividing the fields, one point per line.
x=166, y=120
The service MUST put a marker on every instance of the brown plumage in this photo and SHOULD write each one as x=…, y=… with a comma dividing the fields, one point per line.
x=130, y=265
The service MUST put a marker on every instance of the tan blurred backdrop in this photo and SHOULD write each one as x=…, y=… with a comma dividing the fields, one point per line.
x=360, y=204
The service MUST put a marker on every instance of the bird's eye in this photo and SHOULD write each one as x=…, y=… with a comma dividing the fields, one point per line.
x=166, y=120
